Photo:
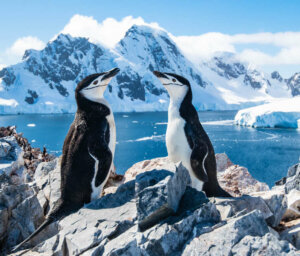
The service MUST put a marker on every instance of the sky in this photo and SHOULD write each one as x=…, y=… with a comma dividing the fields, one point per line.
x=264, y=33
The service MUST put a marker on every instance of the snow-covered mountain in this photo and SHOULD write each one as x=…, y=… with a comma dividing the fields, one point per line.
x=44, y=82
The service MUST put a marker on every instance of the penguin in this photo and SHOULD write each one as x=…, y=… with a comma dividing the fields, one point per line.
x=88, y=150
x=186, y=140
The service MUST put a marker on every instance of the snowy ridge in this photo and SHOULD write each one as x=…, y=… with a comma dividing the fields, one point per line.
x=44, y=82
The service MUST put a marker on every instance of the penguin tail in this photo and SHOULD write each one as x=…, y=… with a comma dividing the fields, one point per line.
x=47, y=222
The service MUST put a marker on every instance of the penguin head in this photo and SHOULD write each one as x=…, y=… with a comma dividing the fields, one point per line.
x=177, y=86
x=93, y=86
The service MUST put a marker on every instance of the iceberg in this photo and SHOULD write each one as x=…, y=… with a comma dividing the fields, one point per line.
x=277, y=114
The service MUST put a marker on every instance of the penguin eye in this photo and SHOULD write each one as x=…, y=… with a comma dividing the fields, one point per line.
x=95, y=82
x=174, y=80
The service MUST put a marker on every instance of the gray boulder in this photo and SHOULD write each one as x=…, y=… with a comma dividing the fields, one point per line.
x=293, y=179
x=268, y=245
x=11, y=156
x=277, y=202
x=221, y=241
x=167, y=238
x=230, y=207
x=157, y=198
x=20, y=211
x=4, y=149
x=292, y=235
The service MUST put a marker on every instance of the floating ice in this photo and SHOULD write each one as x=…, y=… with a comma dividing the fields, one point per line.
x=278, y=114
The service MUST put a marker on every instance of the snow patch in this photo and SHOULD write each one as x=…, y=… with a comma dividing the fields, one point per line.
x=278, y=114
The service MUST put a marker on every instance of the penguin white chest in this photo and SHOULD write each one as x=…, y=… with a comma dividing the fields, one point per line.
x=112, y=133
x=177, y=144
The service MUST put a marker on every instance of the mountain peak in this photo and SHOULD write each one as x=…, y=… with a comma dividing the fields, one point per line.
x=144, y=29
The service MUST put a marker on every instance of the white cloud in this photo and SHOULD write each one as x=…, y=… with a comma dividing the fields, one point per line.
x=15, y=53
x=20, y=45
x=2, y=66
x=205, y=46
x=109, y=32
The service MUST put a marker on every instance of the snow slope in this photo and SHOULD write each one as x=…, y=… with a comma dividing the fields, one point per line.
x=281, y=113
x=44, y=82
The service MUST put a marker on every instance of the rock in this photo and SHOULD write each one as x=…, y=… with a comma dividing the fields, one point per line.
x=292, y=235
x=179, y=219
x=12, y=162
x=19, y=211
x=221, y=240
x=14, y=150
x=4, y=149
x=293, y=202
x=98, y=220
x=237, y=181
x=157, y=201
x=230, y=207
x=277, y=203
x=166, y=238
x=162, y=163
x=47, y=178
x=292, y=170
x=223, y=162
x=268, y=245
x=293, y=179
x=233, y=178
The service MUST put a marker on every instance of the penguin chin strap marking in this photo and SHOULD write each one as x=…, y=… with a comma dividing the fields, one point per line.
x=95, y=87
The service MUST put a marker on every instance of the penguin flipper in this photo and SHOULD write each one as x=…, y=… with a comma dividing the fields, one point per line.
x=198, y=157
x=100, y=150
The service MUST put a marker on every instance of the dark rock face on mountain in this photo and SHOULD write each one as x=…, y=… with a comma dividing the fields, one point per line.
x=277, y=76
x=229, y=70
x=8, y=76
x=294, y=84
x=229, y=67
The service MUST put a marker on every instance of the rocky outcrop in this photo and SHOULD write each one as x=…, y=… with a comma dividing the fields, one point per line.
x=17, y=154
x=153, y=212
x=235, y=179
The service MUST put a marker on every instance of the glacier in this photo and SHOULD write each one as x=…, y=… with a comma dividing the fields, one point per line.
x=278, y=114
x=45, y=80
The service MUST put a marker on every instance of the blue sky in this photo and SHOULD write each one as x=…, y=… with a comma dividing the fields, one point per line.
x=44, y=19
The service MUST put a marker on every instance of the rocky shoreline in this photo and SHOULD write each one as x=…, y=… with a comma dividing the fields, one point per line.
x=151, y=210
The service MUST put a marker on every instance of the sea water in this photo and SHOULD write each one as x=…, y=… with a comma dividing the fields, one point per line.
x=267, y=153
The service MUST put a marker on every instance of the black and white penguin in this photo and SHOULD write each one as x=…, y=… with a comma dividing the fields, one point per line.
x=186, y=139
x=88, y=150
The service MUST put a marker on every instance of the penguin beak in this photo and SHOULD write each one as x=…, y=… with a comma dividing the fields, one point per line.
x=159, y=74
x=110, y=74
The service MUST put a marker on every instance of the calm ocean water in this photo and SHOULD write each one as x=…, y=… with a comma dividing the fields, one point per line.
x=267, y=153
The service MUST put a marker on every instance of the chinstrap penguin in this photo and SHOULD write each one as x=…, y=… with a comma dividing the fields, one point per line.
x=186, y=139
x=88, y=149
